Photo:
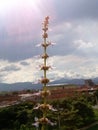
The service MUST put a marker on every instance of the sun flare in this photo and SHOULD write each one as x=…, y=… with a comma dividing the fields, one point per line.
x=8, y=5
x=5, y=5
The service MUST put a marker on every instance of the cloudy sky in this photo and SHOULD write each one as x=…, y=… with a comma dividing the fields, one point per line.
x=73, y=27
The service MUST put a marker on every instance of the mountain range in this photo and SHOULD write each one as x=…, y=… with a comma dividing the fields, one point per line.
x=28, y=85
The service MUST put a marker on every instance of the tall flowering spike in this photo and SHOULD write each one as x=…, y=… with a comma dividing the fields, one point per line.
x=44, y=107
x=45, y=68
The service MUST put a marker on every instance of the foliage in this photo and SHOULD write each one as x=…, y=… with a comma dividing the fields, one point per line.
x=95, y=127
x=96, y=114
x=71, y=114
x=15, y=116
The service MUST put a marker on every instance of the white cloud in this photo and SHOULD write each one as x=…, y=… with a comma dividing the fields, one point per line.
x=60, y=29
x=73, y=67
x=69, y=66
x=26, y=73
x=82, y=44
x=75, y=30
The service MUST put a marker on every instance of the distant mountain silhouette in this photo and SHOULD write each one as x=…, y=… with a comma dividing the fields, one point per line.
x=69, y=81
x=19, y=86
x=95, y=80
x=28, y=85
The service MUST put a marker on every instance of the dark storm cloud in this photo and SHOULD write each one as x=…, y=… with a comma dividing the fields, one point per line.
x=10, y=68
x=64, y=46
x=14, y=52
x=18, y=36
x=3, y=34
x=76, y=9
x=13, y=49
x=18, y=46
x=24, y=63
x=2, y=76
x=87, y=53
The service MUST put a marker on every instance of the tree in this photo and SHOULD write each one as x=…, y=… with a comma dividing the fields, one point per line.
x=85, y=112
x=96, y=96
x=22, y=117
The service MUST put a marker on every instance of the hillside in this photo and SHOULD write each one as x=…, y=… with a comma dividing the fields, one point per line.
x=28, y=85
